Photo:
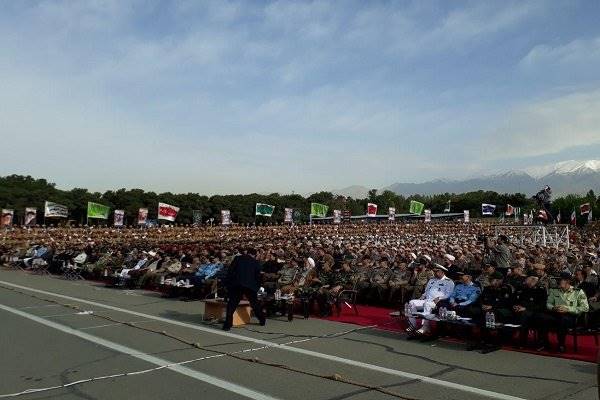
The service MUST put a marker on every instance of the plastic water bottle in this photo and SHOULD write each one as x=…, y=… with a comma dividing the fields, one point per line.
x=162, y=280
x=278, y=295
x=443, y=313
x=492, y=320
x=488, y=319
x=406, y=309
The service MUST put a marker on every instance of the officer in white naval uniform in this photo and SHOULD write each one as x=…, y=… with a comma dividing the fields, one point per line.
x=440, y=287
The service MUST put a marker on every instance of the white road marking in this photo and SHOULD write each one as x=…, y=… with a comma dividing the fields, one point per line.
x=372, y=367
x=40, y=306
x=231, y=387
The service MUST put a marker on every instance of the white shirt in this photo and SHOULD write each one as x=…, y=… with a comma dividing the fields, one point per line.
x=439, y=288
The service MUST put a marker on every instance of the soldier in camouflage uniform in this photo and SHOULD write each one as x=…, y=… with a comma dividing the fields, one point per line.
x=420, y=276
x=324, y=284
x=287, y=276
x=379, y=282
x=362, y=278
x=399, y=279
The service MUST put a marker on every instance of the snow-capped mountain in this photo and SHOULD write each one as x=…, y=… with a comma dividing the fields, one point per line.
x=565, y=168
x=576, y=177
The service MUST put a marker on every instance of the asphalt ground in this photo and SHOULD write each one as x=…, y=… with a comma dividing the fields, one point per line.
x=52, y=333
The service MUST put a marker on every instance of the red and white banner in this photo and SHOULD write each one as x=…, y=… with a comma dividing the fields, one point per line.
x=585, y=208
x=371, y=210
x=167, y=212
x=427, y=215
x=466, y=216
x=510, y=210
x=573, y=220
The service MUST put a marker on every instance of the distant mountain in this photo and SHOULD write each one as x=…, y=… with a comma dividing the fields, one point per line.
x=564, y=177
x=576, y=177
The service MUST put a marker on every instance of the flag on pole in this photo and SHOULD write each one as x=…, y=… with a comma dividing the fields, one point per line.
x=590, y=217
x=371, y=210
x=558, y=217
x=466, y=216
x=95, y=210
x=288, y=215
x=447, y=209
x=337, y=216
x=510, y=210
x=225, y=217
x=392, y=213
x=416, y=207
x=30, y=216
x=167, y=212
x=119, y=217
x=573, y=218
x=264, y=210
x=543, y=215
x=488, y=209
x=142, y=216
x=7, y=217
x=585, y=208
x=52, y=209
x=318, y=210
x=427, y=215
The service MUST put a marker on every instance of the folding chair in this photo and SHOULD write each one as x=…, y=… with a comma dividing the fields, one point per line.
x=40, y=266
x=71, y=272
x=348, y=297
x=16, y=263
x=583, y=327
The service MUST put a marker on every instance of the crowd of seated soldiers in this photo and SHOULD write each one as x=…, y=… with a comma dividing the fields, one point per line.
x=385, y=264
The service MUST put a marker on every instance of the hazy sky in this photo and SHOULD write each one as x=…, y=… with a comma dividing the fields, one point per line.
x=236, y=97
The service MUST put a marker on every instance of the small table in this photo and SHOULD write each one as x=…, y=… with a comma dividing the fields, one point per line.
x=285, y=304
x=169, y=290
x=216, y=309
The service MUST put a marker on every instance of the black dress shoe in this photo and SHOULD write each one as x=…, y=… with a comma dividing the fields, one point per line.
x=489, y=348
x=262, y=322
x=543, y=347
x=473, y=346
x=226, y=327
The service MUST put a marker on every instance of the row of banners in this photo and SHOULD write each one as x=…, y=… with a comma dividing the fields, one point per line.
x=169, y=212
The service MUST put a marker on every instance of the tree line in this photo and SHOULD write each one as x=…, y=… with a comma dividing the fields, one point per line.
x=18, y=192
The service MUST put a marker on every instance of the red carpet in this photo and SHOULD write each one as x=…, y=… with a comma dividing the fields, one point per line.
x=368, y=315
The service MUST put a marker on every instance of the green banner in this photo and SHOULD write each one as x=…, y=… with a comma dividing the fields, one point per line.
x=96, y=210
x=318, y=210
x=264, y=209
x=416, y=207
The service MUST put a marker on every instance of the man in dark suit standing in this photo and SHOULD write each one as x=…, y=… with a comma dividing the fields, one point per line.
x=243, y=279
